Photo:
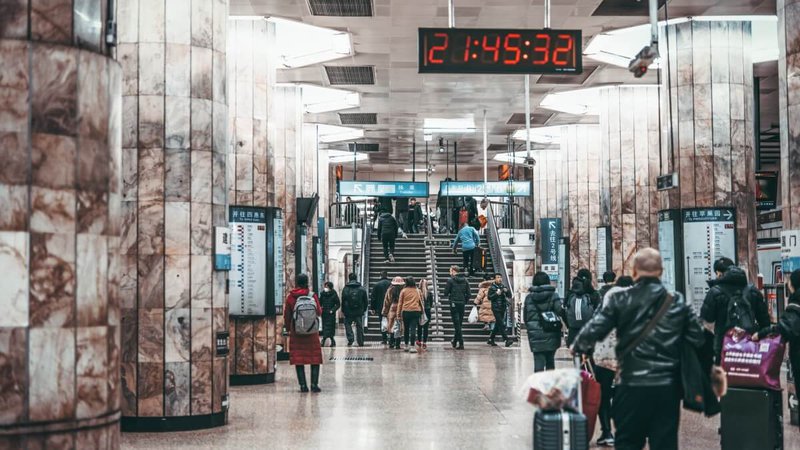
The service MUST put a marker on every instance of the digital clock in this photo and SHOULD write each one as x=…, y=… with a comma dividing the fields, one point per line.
x=498, y=51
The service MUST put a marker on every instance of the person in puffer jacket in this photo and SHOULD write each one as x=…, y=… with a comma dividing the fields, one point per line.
x=485, y=314
x=542, y=297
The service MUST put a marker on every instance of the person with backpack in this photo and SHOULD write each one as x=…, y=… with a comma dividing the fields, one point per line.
x=458, y=293
x=470, y=240
x=329, y=300
x=387, y=230
x=788, y=325
x=427, y=297
x=354, y=305
x=542, y=313
x=608, y=283
x=485, y=313
x=582, y=302
x=409, y=309
x=377, y=295
x=301, y=314
x=732, y=302
x=389, y=310
x=499, y=295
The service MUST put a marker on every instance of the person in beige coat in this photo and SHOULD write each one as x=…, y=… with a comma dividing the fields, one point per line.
x=485, y=313
x=409, y=310
x=390, y=310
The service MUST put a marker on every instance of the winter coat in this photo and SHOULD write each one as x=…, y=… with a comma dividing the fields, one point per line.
x=468, y=237
x=354, y=300
x=389, y=310
x=541, y=299
x=715, y=305
x=303, y=349
x=387, y=226
x=378, y=293
x=656, y=360
x=329, y=300
x=410, y=301
x=457, y=289
x=485, y=313
x=499, y=294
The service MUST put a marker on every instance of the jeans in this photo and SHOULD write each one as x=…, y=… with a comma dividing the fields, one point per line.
x=359, y=322
x=544, y=361
x=468, y=255
x=388, y=244
x=422, y=331
x=457, y=315
x=606, y=379
x=499, y=324
x=410, y=324
x=647, y=414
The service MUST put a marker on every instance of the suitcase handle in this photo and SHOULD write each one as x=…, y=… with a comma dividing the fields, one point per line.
x=578, y=365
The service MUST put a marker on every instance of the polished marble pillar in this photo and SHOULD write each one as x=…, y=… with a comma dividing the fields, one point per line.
x=789, y=76
x=709, y=87
x=250, y=167
x=175, y=144
x=629, y=161
x=548, y=198
x=60, y=110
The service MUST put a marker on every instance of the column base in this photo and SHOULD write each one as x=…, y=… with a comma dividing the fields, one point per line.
x=183, y=423
x=248, y=380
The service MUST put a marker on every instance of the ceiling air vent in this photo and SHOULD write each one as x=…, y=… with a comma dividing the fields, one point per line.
x=364, y=147
x=341, y=8
x=624, y=8
x=536, y=118
x=358, y=118
x=340, y=75
x=568, y=79
x=498, y=147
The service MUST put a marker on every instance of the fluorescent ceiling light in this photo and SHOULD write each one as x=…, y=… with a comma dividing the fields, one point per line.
x=343, y=156
x=542, y=135
x=246, y=17
x=618, y=47
x=433, y=169
x=300, y=44
x=579, y=101
x=319, y=99
x=336, y=133
x=510, y=158
x=466, y=125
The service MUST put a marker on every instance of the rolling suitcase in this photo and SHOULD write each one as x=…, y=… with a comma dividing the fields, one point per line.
x=752, y=419
x=561, y=430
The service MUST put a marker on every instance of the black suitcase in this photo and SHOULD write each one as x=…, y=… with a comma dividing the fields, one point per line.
x=752, y=419
x=560, y=430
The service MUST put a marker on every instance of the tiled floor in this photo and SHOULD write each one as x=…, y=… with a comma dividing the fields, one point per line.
x=441, y=399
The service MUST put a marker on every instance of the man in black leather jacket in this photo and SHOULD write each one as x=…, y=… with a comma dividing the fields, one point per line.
x=647, y=397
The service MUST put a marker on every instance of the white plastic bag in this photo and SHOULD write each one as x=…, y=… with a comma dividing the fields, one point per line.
x=473, y=315
x=553, y=390
x=384, y=324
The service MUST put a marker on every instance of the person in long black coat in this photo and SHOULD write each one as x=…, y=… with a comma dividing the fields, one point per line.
x=542, y=298
x=329, y=300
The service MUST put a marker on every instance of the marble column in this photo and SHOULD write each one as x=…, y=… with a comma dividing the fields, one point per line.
x=629, y=168
x=547, y=189
x=710, y=89
x=251, y=166
x=174, y=140
x=60, y=110
x=788, y=74
x=580, y=193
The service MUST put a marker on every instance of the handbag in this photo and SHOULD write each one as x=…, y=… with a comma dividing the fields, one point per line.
x=548, y=320
x=752, y=364
x=591, y=393
x=423, y=319
x=384, y=324
x=473, y=315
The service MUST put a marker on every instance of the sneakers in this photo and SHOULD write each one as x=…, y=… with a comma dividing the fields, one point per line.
x=303, y=388
x=406, y=348
x=491, y=342
x=412, y=350
x=509, y=342
x=391, y=258
x=606, y=440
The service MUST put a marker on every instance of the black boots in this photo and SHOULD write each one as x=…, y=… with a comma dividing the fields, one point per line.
x=301, y=378
x=491, y=342
x=315, y=379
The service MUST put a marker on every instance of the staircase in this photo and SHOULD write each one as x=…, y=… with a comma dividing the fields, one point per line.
x=444, y=259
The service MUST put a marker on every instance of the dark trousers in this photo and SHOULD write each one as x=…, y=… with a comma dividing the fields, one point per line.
x=572, y=333
x=348, y=330
x=410, y=324
x=647, y=414
x=411, y=225
x=499, y=324
x=606, y=379
x=468, y=255
x=388, y=244
x=301, y=375
x=422, y=330
x=457, y=315
x=544, y=361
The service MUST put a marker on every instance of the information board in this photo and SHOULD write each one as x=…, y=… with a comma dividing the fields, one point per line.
x=489, y=189
x=708, y=234
x=248, y=283
x=550, y=230
x=278, y=273
x=383, y=189
x=668, y=225
x=222, y=248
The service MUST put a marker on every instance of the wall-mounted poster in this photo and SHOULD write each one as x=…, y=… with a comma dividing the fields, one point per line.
x=708, y=234
x=668, y=240
x=222, y=248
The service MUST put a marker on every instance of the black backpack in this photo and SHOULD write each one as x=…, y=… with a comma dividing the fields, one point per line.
x=579, y=310
x=548, y=320
x=352, y=302
x=740, y=311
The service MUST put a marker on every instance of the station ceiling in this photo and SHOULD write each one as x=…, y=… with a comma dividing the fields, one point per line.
x=401, y=98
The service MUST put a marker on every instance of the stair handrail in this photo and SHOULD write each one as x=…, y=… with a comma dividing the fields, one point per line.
x=434, y=281
x=363, y=272
x=498, y=260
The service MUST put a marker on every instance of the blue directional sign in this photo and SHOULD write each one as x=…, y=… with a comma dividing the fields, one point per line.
x=383, y=189
x=550, y=230
x=489, y=189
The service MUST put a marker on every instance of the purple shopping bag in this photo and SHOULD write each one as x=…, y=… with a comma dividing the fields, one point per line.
x=752, y=364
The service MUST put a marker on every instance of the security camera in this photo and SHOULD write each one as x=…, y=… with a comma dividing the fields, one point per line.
x=529, y=162
x=639, y=65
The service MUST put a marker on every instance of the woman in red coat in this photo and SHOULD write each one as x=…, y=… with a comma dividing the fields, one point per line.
x=305, y=349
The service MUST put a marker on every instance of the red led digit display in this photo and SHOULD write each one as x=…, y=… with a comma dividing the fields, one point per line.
x=477, y=50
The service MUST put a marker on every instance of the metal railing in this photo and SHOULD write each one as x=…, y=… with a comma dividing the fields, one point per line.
x=496, y=250
x=363, y=270
x=340, y=217
x=520, y=217
x=434, y=281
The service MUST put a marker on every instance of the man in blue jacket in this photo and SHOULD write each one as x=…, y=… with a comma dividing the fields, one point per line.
x=470, y=240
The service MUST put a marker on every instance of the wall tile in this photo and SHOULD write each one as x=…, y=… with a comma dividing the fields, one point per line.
x=91, y=367
x=52, y=161
x=14, y=153
x=54, y=91
x=177, y=282
x=14, y=213
x=15, y=73
x=177, y=220
x=177, y=383
x=51, y=369
x=52, y=280
x=177, y=335
x=92, y=274
x=13, y=365
x=151, y=281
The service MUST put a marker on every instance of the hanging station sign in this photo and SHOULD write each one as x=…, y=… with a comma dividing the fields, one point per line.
x=383, y=189
x=500, y=51
x=481, y=189
x=550, y=230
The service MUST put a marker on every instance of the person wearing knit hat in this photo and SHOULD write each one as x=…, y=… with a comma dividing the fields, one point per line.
x=390, y=302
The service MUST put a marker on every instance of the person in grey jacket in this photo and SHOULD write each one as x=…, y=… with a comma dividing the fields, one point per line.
x=648, y=395
x=542, y=298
